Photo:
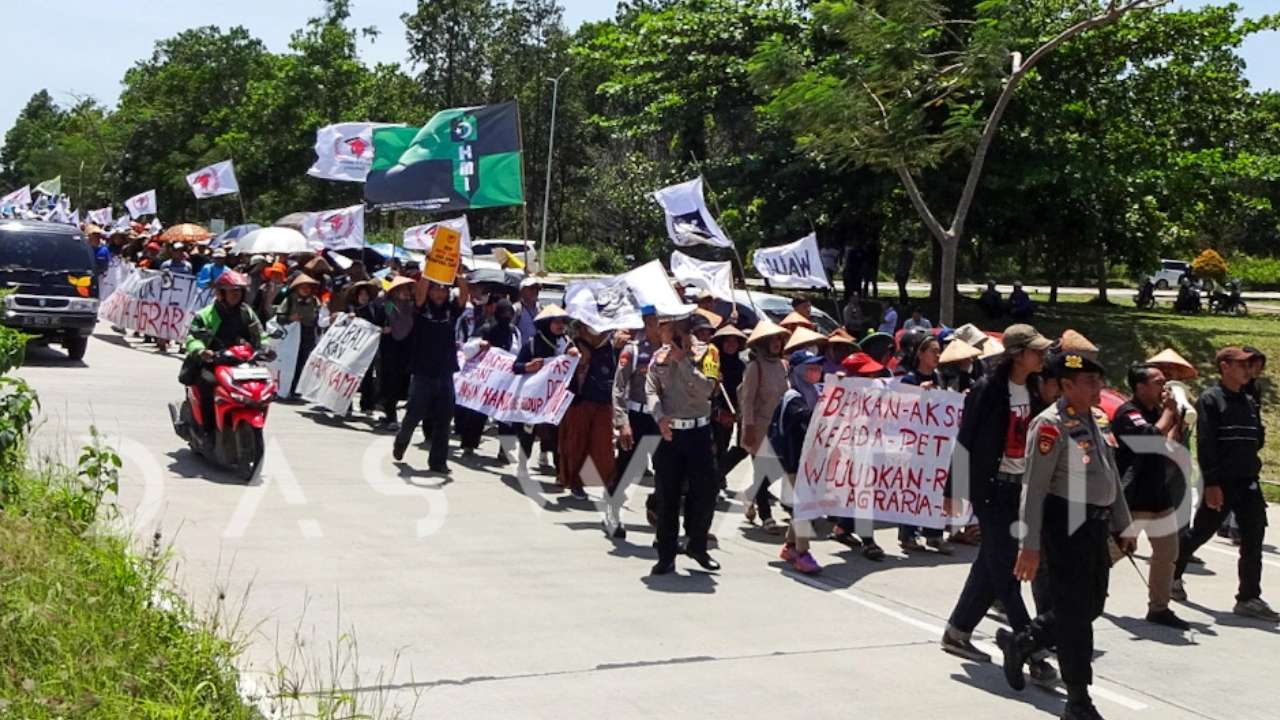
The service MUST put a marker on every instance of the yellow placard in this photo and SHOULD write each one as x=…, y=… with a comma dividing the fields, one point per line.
x=446, y=253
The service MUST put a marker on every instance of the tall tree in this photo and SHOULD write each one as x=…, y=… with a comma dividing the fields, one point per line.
x=33, y=134
x=906, y=85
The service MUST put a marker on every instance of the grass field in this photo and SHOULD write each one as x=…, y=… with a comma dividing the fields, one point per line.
x=1126, y=335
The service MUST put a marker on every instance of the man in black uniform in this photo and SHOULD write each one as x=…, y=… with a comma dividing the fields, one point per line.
x=1229, y=436
x=678, y=393
x=1071, y=504
x=1153, y=484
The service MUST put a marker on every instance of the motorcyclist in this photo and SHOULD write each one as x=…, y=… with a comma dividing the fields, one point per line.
x=225, y=323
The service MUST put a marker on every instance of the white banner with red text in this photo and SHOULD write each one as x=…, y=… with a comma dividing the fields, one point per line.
x=878, y=451
x=155, y=303
x=485, y=384
x=333, y=372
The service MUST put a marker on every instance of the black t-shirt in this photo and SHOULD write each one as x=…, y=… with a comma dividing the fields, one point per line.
x=1152, y=482
x=435, y=349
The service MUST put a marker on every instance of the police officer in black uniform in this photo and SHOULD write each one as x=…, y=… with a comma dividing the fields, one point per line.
x=1071, y=504
x=678, y=392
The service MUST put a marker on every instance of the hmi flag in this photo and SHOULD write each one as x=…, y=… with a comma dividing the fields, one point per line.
x=464, y=158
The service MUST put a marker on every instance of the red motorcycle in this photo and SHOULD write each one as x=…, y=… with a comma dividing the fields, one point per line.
x=242, y=393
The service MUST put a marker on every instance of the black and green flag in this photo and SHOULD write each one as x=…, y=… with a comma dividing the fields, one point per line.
x=464, y=158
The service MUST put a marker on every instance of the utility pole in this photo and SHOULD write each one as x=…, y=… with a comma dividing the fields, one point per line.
x=551, y=148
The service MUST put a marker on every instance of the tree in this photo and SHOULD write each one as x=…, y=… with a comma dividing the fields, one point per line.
x=33, y=134
x=904, y=85
x=451, y=46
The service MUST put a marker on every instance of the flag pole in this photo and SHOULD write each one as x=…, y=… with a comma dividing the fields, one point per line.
x=524, y=205
x=742, y=268
x=831, y=283
x=244, y=218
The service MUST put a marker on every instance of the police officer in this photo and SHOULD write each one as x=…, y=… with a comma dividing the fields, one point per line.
x=678, y=394
x=631, y=419
x=1071, y=504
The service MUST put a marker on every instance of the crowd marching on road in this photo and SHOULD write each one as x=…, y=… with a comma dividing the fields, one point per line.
x=1051, y=487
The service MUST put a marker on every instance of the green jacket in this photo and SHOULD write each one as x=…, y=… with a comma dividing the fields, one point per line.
x=204, y=328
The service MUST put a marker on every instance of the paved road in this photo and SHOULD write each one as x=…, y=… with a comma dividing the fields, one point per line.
x=495, y=607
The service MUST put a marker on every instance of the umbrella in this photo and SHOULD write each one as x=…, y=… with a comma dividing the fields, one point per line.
x=387, y=250
x=293, y=220
x=230, y=236
x=189, y=233
x=272, y=241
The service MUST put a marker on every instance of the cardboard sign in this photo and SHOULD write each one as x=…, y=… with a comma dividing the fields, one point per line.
x=446, y=253
x=878, y=450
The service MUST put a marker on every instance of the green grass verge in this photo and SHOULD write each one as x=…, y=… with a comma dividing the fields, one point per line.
x=89, y=629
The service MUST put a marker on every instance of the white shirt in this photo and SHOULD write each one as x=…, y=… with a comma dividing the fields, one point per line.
x=1014, y=460
x=921, y=324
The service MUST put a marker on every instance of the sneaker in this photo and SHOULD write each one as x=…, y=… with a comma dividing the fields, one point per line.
x=804, y=563
x=1014, y=658
x=1258, y=609
x=1178, y=591
x=1168, y=619
x=1043, y=674
x=397, y=451
x=962, y=648
x=788, y=553
x=578, y=493
x=940, y=546
x=912, y=545
x=503, y=458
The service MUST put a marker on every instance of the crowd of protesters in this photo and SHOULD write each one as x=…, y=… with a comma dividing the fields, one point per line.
x=708, y=392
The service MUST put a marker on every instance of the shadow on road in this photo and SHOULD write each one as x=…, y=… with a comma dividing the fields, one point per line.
x=187, y=464
x=44, y=356
x=989, y=678
x=1140, y=629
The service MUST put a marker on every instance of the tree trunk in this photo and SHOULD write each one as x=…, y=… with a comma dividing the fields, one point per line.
x=947, y=296
x=1102, y=276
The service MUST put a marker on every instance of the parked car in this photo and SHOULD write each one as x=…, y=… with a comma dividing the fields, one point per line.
x=1169, y=273
x=483, y=249
x=52, y=283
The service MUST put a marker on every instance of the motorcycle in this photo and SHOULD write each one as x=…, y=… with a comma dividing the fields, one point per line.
x=1146, y=298
x=1227, y=300
x=242, y=394
x=1188, y=300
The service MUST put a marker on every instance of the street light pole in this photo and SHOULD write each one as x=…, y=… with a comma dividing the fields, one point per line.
x=551, y=148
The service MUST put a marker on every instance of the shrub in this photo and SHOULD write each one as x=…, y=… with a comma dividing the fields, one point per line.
x=1256, y=272
x=1210, y=265
x=584, y=259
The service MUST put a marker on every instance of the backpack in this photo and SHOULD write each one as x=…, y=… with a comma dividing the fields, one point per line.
x=776, y=423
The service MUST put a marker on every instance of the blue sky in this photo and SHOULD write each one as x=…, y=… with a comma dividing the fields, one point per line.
x=86, y=45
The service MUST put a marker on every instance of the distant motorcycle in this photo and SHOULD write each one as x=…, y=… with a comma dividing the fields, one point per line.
x=1188, y=300
x=1226, y=300
x=1146, y=298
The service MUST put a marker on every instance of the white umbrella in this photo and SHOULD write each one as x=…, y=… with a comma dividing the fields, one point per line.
x=272, y=241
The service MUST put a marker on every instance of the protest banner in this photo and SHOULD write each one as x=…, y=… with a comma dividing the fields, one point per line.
x=446, y=253
x=155, y=303
x=795, y=266
x=485, y=384
x=286, y=362
x=333, y=372
x=117, y=271
x=878, y=450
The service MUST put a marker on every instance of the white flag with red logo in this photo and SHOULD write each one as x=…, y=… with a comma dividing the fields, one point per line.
x=341, y=229
x=139, y=205
x=344, y=151
x=18, y=198
x=217, y=179
x=101, y=218
x=421, y=237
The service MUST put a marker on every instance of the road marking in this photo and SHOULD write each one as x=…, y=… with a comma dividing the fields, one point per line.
x=1235, y=553
x=937, y=630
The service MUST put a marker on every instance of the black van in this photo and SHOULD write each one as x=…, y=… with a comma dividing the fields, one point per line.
x=50, y=281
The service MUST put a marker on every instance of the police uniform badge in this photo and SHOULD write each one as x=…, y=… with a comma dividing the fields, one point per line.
x=1047, y=438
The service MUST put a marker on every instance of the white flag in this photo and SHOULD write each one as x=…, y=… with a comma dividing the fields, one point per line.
x=650, y=286
x=344, y=151
x=797, y=265
x=688, y=220
x=18, y=198
x=122, y=223
x=139, y=205
x=217, y=179
x=74, y=218
x=607, y=304
x=101, y=218
x=336, y=229
x=714, y=277
x=421, y=237
x=154, y=227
